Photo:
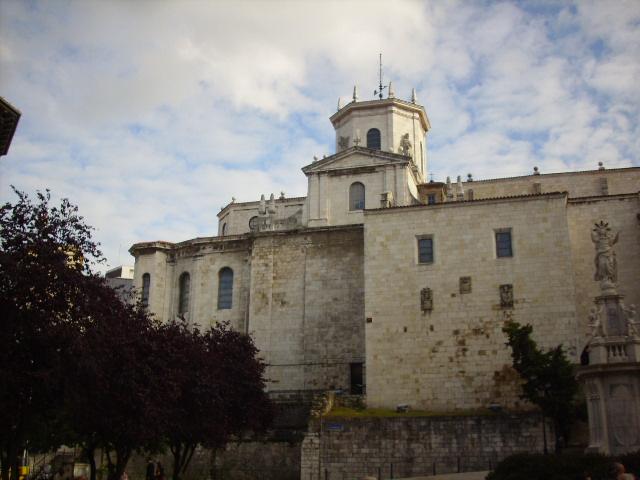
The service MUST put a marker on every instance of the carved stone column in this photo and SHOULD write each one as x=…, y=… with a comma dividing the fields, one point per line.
x=612, y=379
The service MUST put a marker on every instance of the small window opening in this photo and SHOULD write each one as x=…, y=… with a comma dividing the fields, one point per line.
x=425, y=250
x=356, y=196
x=357, y=378
x=183, y=300
x=146, y=284
x=225, y=288
x=503, y=244
x=373, y=139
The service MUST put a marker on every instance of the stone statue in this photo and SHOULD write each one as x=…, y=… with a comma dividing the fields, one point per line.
x=343, y=143
x=459, y=189
x=405, y=145
x=633, y=330
x=606, y=265
x=595, y=324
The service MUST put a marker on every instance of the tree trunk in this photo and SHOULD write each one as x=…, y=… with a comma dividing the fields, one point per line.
x=182, y=455
x=176, y=451
x=544, y=434
x=90, y=452
x=122, y=460
x=214, y=470
x=192, y=449
x=559, y=437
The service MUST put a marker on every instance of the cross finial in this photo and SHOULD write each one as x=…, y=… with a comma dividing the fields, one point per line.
x=380, y=87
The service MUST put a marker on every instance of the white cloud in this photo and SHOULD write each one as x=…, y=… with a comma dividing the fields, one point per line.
x=152, y=115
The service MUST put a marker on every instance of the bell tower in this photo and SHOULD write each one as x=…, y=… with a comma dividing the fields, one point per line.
x=385, y=124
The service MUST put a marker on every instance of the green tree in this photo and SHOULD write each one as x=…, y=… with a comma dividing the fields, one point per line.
x=119, y=392
x=548, y=379
x=221, y=389
x=46, y=254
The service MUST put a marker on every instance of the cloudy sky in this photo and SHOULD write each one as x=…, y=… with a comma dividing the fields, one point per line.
x=151, y=115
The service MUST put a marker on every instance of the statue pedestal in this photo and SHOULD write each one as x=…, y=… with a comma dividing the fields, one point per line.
x=611, y=350
x=614, y=320
x=612, y=392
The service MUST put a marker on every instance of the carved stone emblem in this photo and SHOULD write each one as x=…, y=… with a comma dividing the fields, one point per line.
x=426, y=300
x=506, y=296
x=405, y=145
x=465, y=284
x=605, y=260
x=343, y=143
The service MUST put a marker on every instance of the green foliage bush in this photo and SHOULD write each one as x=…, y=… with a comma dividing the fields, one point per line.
x=527, y=466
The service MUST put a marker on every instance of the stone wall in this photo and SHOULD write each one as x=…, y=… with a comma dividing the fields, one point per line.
x=577, y=184
x=237, y=215
x=454, y=356
x=393, y=121
x=255, y=460
x=306, y=306
x=328, y=200
x=154, y=262
x=259, y=461
x=202, y=259
x=413, y=446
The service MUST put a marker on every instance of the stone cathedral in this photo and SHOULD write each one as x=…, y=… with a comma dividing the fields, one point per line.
x=384, y=284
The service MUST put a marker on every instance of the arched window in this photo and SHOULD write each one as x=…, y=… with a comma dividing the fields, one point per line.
x=225, y=288
x=253, y=224
x=146, y=284
x=183, y=299
x=356, y=196
x=373, y=139
x=224, y=229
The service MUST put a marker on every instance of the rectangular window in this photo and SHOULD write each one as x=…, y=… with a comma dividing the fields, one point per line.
x=431, y=199
x=503, y=244
x=425, y=250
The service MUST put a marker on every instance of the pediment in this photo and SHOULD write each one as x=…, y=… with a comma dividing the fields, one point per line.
x=355, y=157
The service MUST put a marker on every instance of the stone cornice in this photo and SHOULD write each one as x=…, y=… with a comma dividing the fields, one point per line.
x=286, y=201
x=603, y=198
x=599, y=368
x=389, y=156
x=468, y=203
x=233, y=241
x=557, y=174
x=387, y=102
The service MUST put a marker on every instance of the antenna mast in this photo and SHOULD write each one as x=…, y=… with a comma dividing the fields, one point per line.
x=381, y=87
